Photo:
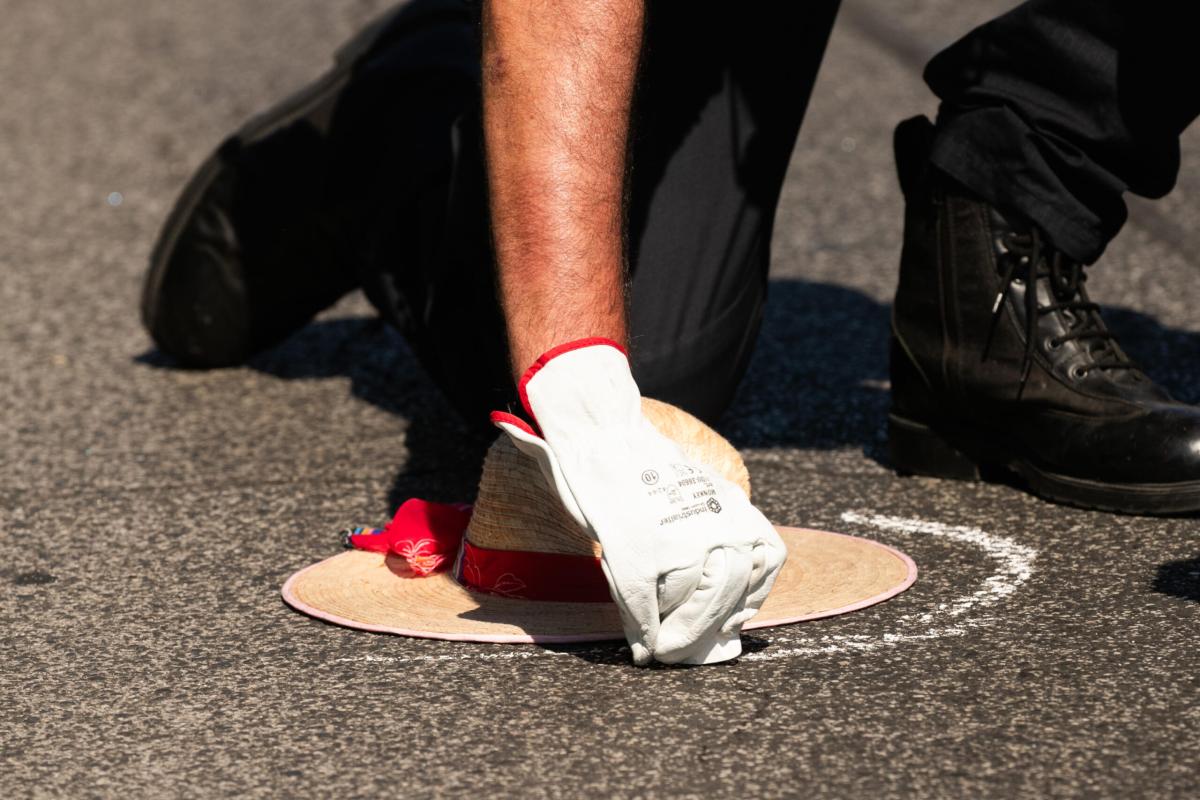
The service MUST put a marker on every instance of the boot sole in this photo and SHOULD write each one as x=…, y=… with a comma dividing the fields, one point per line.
x=918, y=449
x=300, y=105
x=311, y=102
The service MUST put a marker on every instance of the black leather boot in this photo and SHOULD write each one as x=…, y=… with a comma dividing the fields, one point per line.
x=263, y=236
x=1000, y=361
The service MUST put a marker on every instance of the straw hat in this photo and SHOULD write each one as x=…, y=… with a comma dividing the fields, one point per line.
x=516, y=517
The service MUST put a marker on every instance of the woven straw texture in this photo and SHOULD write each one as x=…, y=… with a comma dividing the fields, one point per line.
x=825, y=574
x=516, y=510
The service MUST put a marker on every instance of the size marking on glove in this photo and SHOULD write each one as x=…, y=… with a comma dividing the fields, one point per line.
x=649, y=477
x=670, y=493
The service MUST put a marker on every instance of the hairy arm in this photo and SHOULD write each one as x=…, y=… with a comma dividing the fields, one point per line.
x=558, y=80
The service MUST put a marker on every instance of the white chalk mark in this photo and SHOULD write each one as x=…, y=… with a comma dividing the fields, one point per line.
x=428, y=659
x=1014, y=562
x=1014, y=559
x=953, y=618
x=516, y=653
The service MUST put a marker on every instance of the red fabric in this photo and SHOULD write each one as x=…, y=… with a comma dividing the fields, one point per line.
x=424, y=534
x=553, y=353
x=533, y=576
x=429, y=536
x=371, y=540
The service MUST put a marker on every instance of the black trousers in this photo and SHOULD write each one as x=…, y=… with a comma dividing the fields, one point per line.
x=722, y=92
x=1051, y=111
x=1056, y=109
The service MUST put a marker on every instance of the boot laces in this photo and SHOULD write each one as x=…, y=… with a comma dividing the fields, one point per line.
x=1031, y=259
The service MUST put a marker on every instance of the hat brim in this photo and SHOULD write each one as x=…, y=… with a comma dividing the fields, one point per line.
x=826, y=574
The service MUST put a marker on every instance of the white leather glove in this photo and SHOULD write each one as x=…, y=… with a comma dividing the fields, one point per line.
x=688, y=559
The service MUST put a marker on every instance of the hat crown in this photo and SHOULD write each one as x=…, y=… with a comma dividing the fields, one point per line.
x=517, y=510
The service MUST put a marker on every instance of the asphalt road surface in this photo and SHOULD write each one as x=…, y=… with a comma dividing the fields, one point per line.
x=148, y=515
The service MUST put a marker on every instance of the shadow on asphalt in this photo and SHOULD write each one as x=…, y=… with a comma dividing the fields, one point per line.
x=818, y=381
x=440, y=456
x=616, y=654
x=1179, y=579
x=1170, y=356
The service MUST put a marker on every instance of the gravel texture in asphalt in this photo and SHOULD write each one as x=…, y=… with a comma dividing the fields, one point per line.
x=148, y=515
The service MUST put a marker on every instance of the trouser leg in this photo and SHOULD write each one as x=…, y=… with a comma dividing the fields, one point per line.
x=721, y=97
x=723, y=92
x=1055, y=109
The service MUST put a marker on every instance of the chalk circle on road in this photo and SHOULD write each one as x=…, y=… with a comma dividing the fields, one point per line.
x=974, y=609
x=826, y=574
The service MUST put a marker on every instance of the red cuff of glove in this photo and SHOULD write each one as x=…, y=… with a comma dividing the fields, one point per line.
x=544, y=359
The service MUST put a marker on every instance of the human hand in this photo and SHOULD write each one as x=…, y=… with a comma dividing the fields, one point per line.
x=687, y=557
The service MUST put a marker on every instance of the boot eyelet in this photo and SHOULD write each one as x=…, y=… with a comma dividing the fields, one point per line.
x=1051, y=343
x=1076, y=372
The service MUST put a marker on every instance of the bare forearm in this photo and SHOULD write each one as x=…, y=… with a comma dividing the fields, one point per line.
x=558, y=83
